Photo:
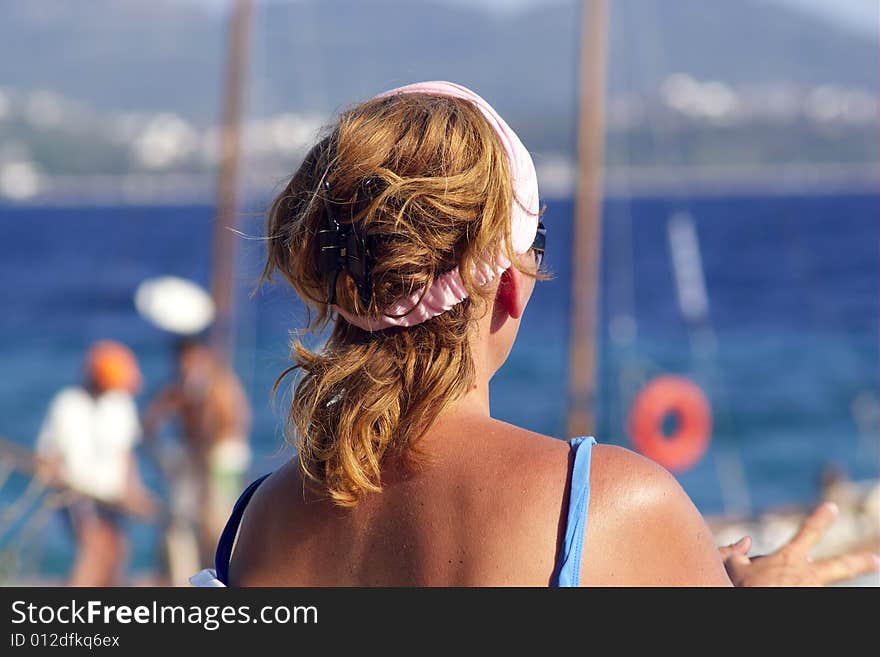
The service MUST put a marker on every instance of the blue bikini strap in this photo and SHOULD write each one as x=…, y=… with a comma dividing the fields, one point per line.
x=227, y=538
x=568, y=566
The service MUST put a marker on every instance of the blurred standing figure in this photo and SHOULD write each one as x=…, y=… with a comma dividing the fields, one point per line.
x=215, y=419
x=87, y=444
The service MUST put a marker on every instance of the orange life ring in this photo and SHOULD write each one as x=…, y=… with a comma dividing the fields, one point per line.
x=664, y=396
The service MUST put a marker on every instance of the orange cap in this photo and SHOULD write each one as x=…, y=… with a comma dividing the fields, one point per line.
x=113, y=366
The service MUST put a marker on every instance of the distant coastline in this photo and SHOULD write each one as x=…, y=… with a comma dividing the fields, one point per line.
x=692, y=181
x=556, y=178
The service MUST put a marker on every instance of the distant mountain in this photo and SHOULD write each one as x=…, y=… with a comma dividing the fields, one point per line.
x=151, y=55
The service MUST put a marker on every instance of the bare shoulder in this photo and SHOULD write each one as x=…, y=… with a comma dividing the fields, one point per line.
x=628, y=477
x=642, y=527
x=529, y=460
x=546, y=450
x=261, y=527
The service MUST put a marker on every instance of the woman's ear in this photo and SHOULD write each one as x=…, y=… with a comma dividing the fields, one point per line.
x=511, y=297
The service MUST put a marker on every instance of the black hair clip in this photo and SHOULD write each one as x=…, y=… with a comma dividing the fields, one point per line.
x=341, y=248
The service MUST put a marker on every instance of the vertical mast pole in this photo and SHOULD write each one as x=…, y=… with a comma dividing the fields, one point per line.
x=587, y=220
x=223, y=264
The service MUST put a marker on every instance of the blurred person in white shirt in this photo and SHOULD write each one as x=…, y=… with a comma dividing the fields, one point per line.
x=86, y=444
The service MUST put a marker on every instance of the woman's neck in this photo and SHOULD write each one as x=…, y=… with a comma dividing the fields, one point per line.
x=475, y=401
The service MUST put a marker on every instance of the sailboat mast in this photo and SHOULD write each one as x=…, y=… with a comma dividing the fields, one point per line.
x=223, y=264
x=587, y=220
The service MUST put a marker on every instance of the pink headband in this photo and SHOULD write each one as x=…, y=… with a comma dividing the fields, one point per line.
x=448, y=289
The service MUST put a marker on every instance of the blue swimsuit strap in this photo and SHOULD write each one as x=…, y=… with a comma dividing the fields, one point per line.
x=230, y=531
x=568, y=563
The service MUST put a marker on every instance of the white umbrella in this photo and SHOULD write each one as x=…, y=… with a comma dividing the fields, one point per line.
x=174, y=304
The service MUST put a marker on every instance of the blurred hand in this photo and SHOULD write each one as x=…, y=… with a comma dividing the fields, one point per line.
x=142, y=504
x=137, y=498
x=49, y=471
x=791, y=564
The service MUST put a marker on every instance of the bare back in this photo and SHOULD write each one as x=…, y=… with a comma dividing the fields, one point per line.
x=485, y=509
x=489, y=508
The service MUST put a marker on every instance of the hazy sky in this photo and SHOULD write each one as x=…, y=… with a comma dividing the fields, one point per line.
x=863, y=15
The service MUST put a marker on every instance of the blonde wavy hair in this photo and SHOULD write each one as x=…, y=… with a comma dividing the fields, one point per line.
x=439, y=197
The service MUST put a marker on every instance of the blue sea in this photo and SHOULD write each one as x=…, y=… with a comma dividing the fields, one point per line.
x=792, y=284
